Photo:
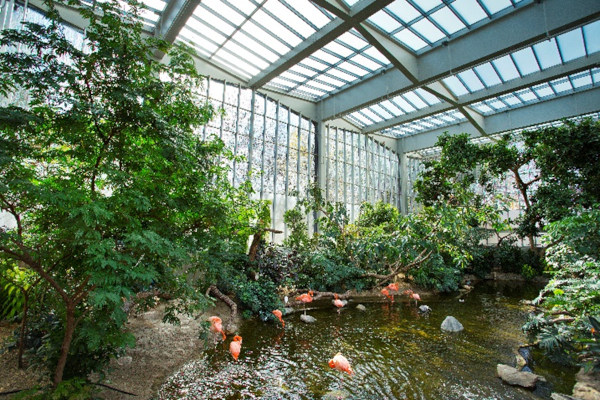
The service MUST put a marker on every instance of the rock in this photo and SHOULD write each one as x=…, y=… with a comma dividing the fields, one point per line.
x=360, y=307
x=288, y=310
x=125, y=360
x=336, y=395
x=514, y=377
x=308, y=319
x=521, y=362
x=558, y=396
x=424, y=309
x=451, y=324
x=587, y=386
x=526, y=369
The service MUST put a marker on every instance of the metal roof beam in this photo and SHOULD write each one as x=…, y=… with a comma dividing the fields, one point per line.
x=359, y=12
x=520, y=28
x=569, y=106
x=173, y=19
x=514, y=85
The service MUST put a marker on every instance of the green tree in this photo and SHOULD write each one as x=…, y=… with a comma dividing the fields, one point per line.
x=110, y=189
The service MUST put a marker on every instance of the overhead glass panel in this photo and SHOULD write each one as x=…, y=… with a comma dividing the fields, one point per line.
x=410, y=39
x=547, y=53
x=455, y=86
x=591, y=33
x=543, y=90
x=469, y=10
x=394, y=110
x=383, y=20
x=403, y=10
x=427, y=5
x=561, y=85
x=494, y=6
x=470, y=80
x=488, y=75
x=414, y=100
x=525, y=61
x=428, y=97
x=581, y=80
x=506, y=68
x=571, y=45
x=428, y=30
x=448, y=20
x=526, y=95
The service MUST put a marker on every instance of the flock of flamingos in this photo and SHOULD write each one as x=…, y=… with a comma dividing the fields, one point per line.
x=338, y=362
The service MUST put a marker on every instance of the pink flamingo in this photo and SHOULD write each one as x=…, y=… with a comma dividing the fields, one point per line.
x=414, y=296
x=386, y=293
x=338, y=303
x=305, y=298
x=340, y=363
x=278, y=314
x=235, y=347
x=216, y=326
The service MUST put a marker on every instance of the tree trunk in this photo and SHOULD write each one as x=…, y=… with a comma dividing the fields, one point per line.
x=23, y=328
x=66, y=344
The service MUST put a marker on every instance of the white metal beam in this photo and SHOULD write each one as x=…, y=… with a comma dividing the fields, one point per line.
x=173, y=19
x=546, y=75
x=359, y=12
x=569, y=106
x=520, y=28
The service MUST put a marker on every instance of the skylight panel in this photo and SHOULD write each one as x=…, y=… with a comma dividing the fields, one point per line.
x=290, y=75
x=427, y=5
x=470, y=10
x=374, y=53
x=190, y=36
x=403, y=10
x=426, y=124
x=217, y=34
x=321, y=86
x=371, y=115
x=383, y=20
x=361, y=118
x=455, y=86
x=493, y=6
x=326, y=57
x=267, y=38
x=353, y=68
x=244, y=54
x=571, y=45
x=406, y=106
x=506, y=68
x=471, y=80
x=415, y=100
x=352, y=40
x=511, y=100
x=312, y=92
x=428, y=97
x=245, y=6
x=282, y=32
x=448, y=20
x=582, y=79
x=303, y=70
x=561, y=85
x=591, y=33
x=238, y=65
x=336, y=48
x=341, y=75
x=381, y=111
x=224, y=10
x=446, y=118
x=428, y=30
x=547, y=53
x=410, y=39
x=525, y=61
x=289, y=17
x=308, y=10
x=526, y=95
x=392, y=108
x=256, y=47
x=487, y=73
x=496, y=104
x=596, y=75
x=287, y=85
x=543, y=90
x=482, y=107
x=319, y=66
x=157, y=5
x=332, y=81
x=365, y=62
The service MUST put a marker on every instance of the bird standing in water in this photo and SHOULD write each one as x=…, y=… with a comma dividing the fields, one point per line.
x=340, y=363
x=414, y=296
x=278, y=314
x=216, y=326
x=305, y=298
x=386, y=293
x=235, y=347
x=338, y=303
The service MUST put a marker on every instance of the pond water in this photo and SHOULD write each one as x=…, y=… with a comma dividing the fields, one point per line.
x=395, y=352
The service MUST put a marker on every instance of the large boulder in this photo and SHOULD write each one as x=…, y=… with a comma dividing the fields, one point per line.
x=451, y=324
x=360, y=307
x=514, y=377
x=587, y=386
x=308, y=319
x=558, y=396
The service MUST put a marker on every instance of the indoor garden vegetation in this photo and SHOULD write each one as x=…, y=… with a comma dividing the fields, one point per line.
x=113, y=196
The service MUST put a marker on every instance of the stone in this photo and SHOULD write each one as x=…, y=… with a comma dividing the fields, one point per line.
x=521, y=362
x=288, y=310
x=424, y=309
x=308, y=319
x=514, y=377
x=451, y=324
x=587, y=386
x=125, y=360
x=559, y=396
x=360, y=307
x=336, y=395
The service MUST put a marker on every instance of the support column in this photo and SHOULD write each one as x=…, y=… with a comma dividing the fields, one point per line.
x=403, y=178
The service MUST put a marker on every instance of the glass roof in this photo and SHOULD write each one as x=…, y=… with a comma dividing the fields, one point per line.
x=574, y=44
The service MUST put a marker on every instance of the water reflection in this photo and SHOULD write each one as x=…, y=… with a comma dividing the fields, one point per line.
x=395, y=352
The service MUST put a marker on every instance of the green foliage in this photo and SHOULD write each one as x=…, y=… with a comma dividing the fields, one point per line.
x=110, y=187
x=506, y=257
x=573, y=294
x=70, y=389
